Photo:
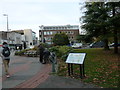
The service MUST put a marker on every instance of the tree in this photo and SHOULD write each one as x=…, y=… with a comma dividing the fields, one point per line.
x=60, y=39
x=114, y=22
x=96, y=21
x=102, y=20
x=84, y=38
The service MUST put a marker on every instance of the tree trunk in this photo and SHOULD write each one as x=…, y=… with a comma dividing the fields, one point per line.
x=115, y=42
x=106, y=47
x=115, y=34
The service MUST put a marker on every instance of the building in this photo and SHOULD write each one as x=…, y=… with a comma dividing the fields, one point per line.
x=28, y=37
x=46, y=33
x=19, y=39
x=15, y=40
x=3, y=37
x=12, y=38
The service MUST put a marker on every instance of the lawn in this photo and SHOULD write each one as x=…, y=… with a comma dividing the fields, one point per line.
x=101, y=68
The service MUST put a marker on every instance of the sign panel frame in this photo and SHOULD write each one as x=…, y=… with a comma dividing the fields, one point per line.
x=76, y=58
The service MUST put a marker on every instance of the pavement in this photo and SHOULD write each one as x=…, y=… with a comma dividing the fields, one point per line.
x=27, y=72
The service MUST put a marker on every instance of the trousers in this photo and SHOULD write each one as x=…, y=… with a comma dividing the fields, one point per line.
x=6, y=66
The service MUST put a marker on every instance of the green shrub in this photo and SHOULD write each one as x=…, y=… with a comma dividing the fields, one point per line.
x=61, y=51
x=35, y=48
x=21, y=52
x=64, y=51
x=54, y=49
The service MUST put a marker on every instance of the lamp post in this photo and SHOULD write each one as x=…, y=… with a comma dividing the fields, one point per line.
x=7, y=21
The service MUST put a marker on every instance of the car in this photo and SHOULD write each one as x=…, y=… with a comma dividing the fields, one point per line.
x=77, y=45
x=97, y=44
x=113, y=44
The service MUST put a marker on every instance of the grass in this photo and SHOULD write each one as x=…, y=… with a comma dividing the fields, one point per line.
x=101, y=68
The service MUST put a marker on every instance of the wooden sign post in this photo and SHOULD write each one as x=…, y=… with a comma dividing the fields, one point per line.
x=76, y=58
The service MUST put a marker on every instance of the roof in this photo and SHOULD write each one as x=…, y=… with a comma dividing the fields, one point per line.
x=62, y=27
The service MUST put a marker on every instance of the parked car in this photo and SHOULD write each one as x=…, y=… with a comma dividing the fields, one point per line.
x=77, y=45
x=97, y=44
x=113, y=44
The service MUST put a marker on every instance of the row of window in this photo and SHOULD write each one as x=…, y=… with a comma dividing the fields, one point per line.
x=54, y=32
x=50, y=38
x=61, y=28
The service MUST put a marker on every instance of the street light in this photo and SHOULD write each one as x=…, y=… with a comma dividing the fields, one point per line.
x=7, y=21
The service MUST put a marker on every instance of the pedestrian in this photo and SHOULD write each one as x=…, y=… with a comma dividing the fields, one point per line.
x=41, y=50
x=5, y=54
x=46, y=54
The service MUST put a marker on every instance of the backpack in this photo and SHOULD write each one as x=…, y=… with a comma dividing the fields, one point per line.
x=6, y=52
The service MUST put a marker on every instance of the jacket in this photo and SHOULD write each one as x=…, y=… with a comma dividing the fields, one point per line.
x=3, y=57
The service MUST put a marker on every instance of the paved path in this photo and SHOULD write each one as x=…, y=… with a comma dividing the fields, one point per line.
x=27, y=72
x=55, y=81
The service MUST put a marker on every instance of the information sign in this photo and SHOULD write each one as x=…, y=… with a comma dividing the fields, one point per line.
x=76, y=58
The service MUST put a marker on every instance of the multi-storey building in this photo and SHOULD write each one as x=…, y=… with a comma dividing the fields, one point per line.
x=46, y=33
x=28, y=37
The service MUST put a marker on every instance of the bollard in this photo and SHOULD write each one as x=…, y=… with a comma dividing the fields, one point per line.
x=53, y=67
x=53, y=61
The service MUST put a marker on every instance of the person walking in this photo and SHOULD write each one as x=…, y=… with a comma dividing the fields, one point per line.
x=5, y=54
x=41, y=50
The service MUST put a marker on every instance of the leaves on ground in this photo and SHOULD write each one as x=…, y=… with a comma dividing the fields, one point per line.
x=101, y=68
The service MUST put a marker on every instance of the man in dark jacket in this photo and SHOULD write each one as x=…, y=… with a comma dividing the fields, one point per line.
x=46, y=55
x=41, y=50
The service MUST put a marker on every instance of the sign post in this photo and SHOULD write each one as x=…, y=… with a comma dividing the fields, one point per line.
x=76, y=58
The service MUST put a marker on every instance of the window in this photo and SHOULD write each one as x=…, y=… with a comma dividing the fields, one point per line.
x=45, y=33
x=72, y=32
x=48, y=33
x=51, y=33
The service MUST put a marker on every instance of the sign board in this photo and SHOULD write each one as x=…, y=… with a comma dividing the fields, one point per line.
x=76, y=58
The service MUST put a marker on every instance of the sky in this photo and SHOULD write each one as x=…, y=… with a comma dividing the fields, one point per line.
x=30, y=14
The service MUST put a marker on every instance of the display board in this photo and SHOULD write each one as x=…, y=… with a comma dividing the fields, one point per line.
x=76, y=58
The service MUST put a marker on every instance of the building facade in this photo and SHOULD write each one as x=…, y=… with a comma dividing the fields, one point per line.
x=28, y=37
x=19, y=39
x=46, y=33
x=3, y=38
x=12, y=38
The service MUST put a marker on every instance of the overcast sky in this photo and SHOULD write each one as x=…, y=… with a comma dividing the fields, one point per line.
x=30, y=14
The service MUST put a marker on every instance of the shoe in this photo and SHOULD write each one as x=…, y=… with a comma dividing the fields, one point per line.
x=8, y=76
